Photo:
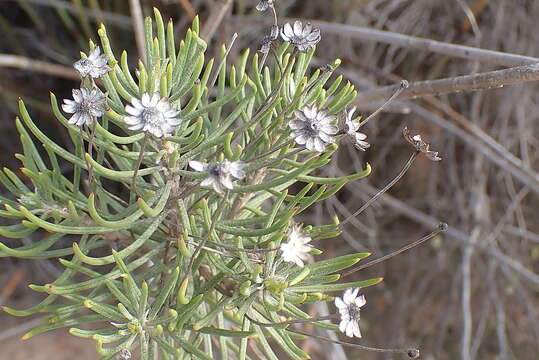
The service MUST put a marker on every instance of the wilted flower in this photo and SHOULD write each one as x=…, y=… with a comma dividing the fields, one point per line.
x=152, y=114
x=220, y=175
x=263, y=5
x=420, y=145
x=302, y=37
x=86, y=106
x=349, y=307
x=352, y=126
x=313, y=128
x=297, y=249
x=95, y=65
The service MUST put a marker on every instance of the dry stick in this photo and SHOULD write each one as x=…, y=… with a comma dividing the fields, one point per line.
x=217, y=13
x=411, y=353
x=427, y=220
x=386, y=188
x=481, y=81
x=24, y=63
x=441, y=228
x=138, y=25
x=422, y=44
x=402, y=86
x=186, y=5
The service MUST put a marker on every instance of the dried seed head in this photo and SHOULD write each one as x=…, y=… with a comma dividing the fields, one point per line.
x=95, y=65
x=420, y=145
x=264, y=5
x=86, y=106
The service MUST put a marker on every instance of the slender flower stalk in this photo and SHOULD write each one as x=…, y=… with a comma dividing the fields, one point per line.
x=386, y=188
x=403, y=85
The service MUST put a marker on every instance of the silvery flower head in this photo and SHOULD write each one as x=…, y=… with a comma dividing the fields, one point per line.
x=349, y=307
x=313, y=128
x=297, y=249
x=86, y=106
x=420, y=145
x=263, y=5
x=95, y=65
x=351, y=127
x=124, y=354
x=220, y=175
x=153, y=115
x=303, y=37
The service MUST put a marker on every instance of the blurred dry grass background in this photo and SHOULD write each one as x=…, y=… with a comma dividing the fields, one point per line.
x=469, y=294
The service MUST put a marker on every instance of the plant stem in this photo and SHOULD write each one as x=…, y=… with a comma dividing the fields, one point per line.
x=386, y=188
x=137, y=166
x=441, y=228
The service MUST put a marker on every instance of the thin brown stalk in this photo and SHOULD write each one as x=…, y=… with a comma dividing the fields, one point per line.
x=24, y=63
x=481, y=81
x=217, y=14
x=138, y=25
x=186, y=5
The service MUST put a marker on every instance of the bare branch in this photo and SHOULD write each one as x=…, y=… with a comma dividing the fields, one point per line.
x=217, y=14
x=481, y=81
x=188, y=8
x=24, y=63
x=417, y=43
x=138, y=25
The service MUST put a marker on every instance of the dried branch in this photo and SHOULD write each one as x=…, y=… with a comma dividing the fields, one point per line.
x=481, y=81
x=24, y=63
x=188, y=8
x=217, y=14
x=138, y=25
x=417, y=43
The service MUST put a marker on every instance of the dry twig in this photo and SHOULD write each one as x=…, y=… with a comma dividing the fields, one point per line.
x=24, y=63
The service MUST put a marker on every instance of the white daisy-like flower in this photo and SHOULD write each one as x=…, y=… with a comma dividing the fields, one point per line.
x=349, y=308
x=220, y=175
x=95, y=65
x=303, y=37
x=313, y=128
x=352, y=126
x=153, y=115
x=263, y=5
x=124, y=354
x=297, y=249
x=86, y=106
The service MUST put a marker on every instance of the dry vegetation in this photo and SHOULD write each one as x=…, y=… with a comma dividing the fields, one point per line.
x=469, y=294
